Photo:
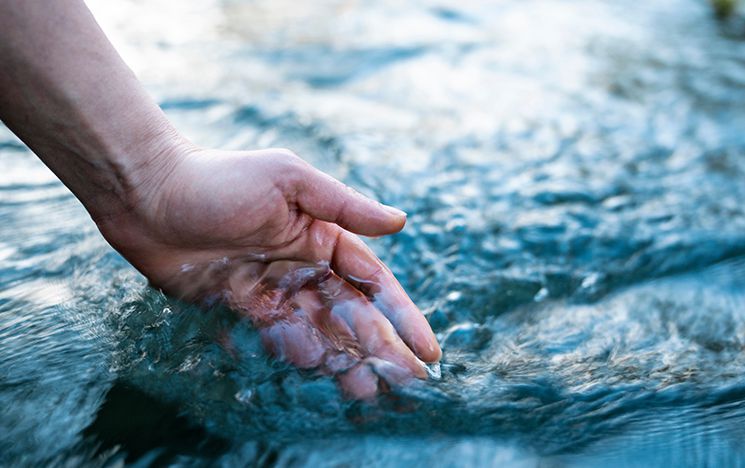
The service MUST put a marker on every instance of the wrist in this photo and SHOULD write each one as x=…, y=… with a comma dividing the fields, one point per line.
x=128, y=172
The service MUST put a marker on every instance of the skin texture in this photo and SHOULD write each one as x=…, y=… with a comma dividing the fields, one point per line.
x=262, y=231
x=273, y=237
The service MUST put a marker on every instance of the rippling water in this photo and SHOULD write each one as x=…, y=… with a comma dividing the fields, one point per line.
x=574, y=174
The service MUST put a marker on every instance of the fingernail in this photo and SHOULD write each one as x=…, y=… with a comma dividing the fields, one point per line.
x=395, y=211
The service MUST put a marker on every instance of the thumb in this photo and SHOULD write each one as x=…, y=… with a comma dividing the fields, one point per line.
x=323, y=197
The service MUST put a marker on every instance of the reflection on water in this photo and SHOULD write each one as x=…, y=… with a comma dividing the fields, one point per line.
x=573, y=172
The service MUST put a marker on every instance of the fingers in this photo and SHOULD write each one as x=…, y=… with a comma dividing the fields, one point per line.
x=357, y=264
x=294, y=340
x=341, y=339
x=372, y=376
x=374, y=333
x=336, y=329
x=327, y=199
x=353, y=261
x=360, y=382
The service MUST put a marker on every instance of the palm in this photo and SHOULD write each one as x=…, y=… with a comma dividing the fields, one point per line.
x=265, y=233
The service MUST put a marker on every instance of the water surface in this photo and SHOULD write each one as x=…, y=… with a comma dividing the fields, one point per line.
x=574, y=174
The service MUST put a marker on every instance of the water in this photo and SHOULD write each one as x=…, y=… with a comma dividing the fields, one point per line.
x=573, y=173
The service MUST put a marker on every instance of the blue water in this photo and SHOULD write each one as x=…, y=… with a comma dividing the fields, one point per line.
x=574, y=174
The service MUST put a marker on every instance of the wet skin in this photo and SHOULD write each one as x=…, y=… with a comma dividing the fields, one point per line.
x=273, y=238
x=176, y=211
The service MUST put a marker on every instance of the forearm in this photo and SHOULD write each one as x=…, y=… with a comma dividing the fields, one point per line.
x=68, y=95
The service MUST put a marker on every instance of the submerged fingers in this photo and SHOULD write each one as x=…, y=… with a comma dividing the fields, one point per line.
x=334, y=327
x=320, y=321
x=374, y=333
x=360, y=382
x=372, y=376
x=356, y=263
x=294, y=340
x=353, y=261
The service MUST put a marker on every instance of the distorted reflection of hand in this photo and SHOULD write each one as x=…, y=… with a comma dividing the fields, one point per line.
x=274, y=238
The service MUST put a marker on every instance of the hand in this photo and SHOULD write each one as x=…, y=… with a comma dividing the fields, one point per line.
x=262, y=231
x=271, y=236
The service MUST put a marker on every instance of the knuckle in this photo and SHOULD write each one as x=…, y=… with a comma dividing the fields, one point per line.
x=289, y=156
x=293, y=170
x=292, y=163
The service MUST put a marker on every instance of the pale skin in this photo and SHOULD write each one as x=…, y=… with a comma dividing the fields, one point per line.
x=262, y=231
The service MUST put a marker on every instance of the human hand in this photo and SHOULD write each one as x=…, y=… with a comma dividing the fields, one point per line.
x=262, y=231
x=272, y=237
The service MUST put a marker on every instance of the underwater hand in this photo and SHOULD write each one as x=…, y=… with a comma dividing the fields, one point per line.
x=272, y=237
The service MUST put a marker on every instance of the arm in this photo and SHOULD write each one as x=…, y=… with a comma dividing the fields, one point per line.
x=68, y=95
x=262, y=231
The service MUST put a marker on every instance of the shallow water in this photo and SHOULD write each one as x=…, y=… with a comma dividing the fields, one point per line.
x=574, y=174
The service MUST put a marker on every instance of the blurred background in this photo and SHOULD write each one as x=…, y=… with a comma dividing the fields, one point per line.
x=574, y=174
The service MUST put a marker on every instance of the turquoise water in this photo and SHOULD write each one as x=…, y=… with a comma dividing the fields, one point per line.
x=574, y=174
